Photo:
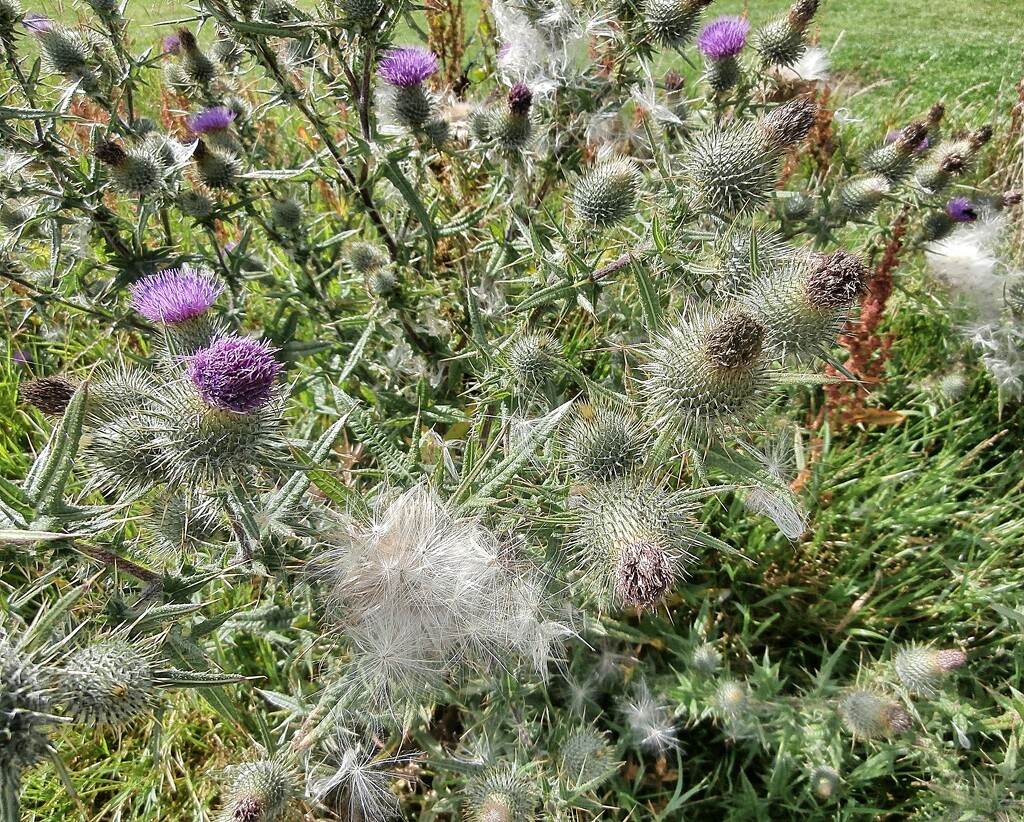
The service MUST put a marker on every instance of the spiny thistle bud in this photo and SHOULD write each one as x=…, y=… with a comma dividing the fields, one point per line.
x=731, y=699
x=894, y=161
x=606, y=194
x=108, y=683
x=720, y=41
x=706, y=373
x=1008, y=199
x=672, y=22
x=953, y=386
x=360, y=14
x=868, y=714
x=859, y=196
x=122, y=454
x=10, y=14
x=216, y=168
x=181, y=520
x=195, y=66
x=510, y=128
x=25, y=711
x=749, y=254
x=50, y=395
x=437, y=130
x=228, y=51
x=286, y=214
x=796, y=206
x=196, y=204
x=532, y=358
x=501, y=794
x=781, y=42
x=788, y=124
x=631, y=541
x=602, y=442
x=258, y=792
x=65, y=51
x=804, y=305
x=586, y=758
x=935, y=175
x=706, y=658
x=824, y=781
x=236, y=374
x=731, y=169
x=922, y=668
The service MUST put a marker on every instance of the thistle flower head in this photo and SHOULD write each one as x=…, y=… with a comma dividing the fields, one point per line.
x=25, y=711
x=108, y=683
x=921, y=668
x=259, y=791
x=50, y=395
x=602, y=442
x=606, y=194
x=209, y=120
x=732, y=169
x=672, y=22
x=824, y=781
x=724, y=37
x=895, y=134
x=533, y=357
x=171, y=44
x=110, y=153
x=175, y=295
x=731, y=698
x=407, y=66
x=235, y=373
x=187, y=41
x=801, y=12
x=586, y=758
x=706, y=658
x=135, y=170
x=520, y=98
x=869, y=714
x=36, y=23
x=961, y=210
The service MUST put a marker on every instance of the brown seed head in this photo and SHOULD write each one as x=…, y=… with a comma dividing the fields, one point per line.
x=736, y=341
x=801, y=12
x=50, y=395
x=950, y=659
x=643, y=574
x=836, y=280
x=110, y=153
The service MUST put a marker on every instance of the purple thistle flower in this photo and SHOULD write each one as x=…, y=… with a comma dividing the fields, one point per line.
x=175, y=295
x=235, y=373
x=407, y=66
x=520, y=98
x=894, y=135
x=961, y=210
x=724, y=37
x=37, y=23
x=217, y=118
x=172, y=44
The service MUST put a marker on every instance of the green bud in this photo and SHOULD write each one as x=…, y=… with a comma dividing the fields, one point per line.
x=606, y=194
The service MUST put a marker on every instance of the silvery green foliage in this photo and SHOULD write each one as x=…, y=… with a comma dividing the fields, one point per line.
x=531, y=323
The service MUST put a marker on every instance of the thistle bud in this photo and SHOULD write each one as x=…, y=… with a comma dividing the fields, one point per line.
x=228, y=51
x=501, y=795
x=196, y=204
x=894, y=161
x=586, y=758
x=631, y=540
x=602, y=442
x=607, y=193
x=781, y=42
x=360, y=15
x=1008, y=199
x=788, y=124
x=731, y=699
x=731, y=170
x=511, y=128
x=50, y=395
x=979, y=137
x=286, y=214
x=65, y=51
x=803, y=305
x=704, y=374
x=437, y=130
x=194, y=65
x=824, y=781
x=859, y=196
x=869, y=715
x=122, y=454
x=109, y=683
x=706, y=658
x=935, y=175
x=532, y=358
x=10, y=15
x=796, y=206
x=259, y=792
x=217, y=169
x=673, y=22
x=25, y=711
x=921, y=668
x=133, y=171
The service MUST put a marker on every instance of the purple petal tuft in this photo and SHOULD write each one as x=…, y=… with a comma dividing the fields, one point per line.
x=724, y=37
x=217, y=118
x=961, y=210
x=407, y=66
x=235, y=373
x=175, y=295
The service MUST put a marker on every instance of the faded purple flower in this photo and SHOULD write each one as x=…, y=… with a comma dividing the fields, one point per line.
x=172, y=44
x=520, y=98
x=217, y=118
x=894, y=135
x=724, y=37
x=235, y=373
x=175, y=295
x=37, y=23
x=961, y=210
x=407, y=66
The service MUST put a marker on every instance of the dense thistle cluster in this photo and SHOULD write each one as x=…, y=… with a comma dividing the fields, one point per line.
x=579, y=297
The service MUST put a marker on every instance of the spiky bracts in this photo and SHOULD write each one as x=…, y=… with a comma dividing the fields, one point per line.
x=922, y=668
x=631, y=542
x=404, y=70
x=706, y=373
x=869, y=714
x=606, y=194
x=135, y=170
x=258, y=791
x=502, y=793
x=672, y=22
x=602, y=441
x=25, y=711
x=781, y=42
x=108, y=683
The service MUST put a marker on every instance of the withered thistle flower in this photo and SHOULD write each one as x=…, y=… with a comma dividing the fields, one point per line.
x=50, y=395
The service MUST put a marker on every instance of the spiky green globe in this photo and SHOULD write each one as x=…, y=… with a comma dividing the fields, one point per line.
x=921, y=668
x=122, y=454
x=217, y=169
x=672, y=22
x=286, y=214
x=779, y=43
x=824, y=781
x=859, y=196
x=607, y=193
x=412, y=105
x=731, y=698
x=586, y=757
x=25, y=711
x=533, y=357
x=108, y=683
x=258, y=792
x=64, y=50
x=501, y=794
x=731, y=170
x=868, y=714
x=602, y=442
x=706, y=658
x=141, y=173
